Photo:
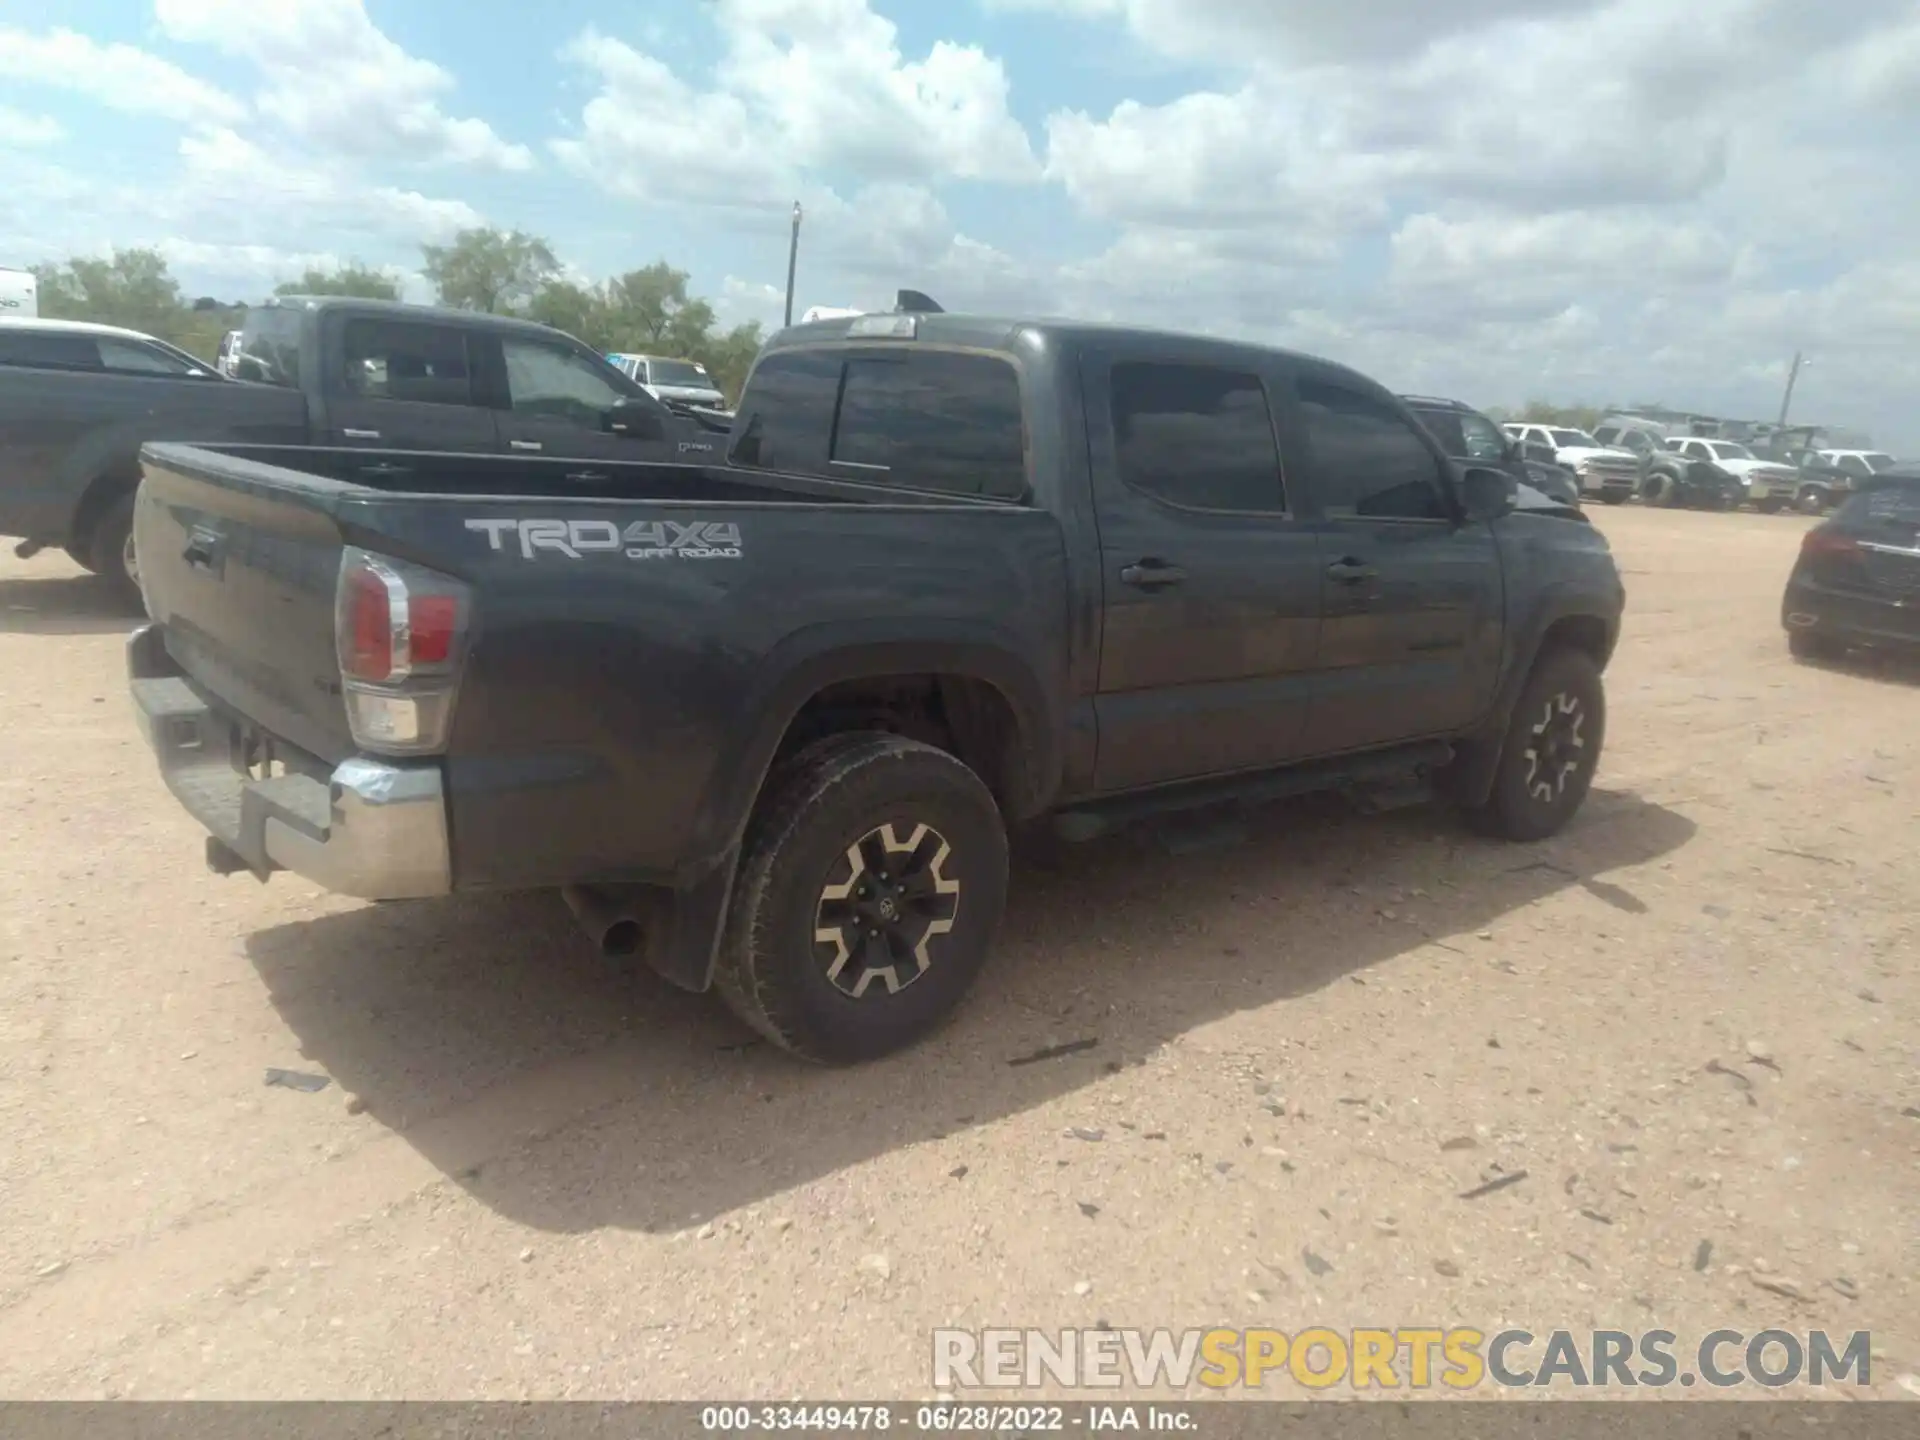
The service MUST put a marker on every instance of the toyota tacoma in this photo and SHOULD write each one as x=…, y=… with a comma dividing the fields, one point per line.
x=768, y=723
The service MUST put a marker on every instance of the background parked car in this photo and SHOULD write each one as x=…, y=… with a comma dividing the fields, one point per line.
x=1857, y=581
x=1603, y=470
x=678, y=384
x=1465, y=434
x=1668, y=476
x=77, y=401
x=1770, y=485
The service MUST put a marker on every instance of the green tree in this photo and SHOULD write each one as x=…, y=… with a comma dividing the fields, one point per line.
x=498, y=271
x=580, y=310
x=1576, y=417
x=652, y=304
x=728, y=357
x=352, y=278
x=133, y=288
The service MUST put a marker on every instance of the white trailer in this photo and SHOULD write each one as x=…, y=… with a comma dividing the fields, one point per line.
x=19, y=294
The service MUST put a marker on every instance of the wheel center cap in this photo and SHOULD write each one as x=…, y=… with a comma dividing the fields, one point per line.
x=888, y=910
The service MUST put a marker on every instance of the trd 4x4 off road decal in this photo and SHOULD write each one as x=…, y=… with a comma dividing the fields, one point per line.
x=641, y=540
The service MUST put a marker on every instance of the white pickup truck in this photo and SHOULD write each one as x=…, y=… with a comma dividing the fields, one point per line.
x=1769, y=485
x=1604, y=470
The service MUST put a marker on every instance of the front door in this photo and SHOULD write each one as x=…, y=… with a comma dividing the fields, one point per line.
x=558, y=400
x=406, y=385
x=1412, y=595
x=1210, y=582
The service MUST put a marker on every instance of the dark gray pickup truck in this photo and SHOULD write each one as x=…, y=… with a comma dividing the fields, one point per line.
x=326, y=371
x=769, y=723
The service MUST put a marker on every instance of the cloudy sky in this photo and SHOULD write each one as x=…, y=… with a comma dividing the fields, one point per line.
x=1640, y=200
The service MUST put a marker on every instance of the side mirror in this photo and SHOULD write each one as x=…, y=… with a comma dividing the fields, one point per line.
x=1488, y=494
x=637, y=420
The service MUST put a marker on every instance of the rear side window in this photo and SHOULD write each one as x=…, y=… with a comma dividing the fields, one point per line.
x=931, y=420
x=1893, y=507
x=48, y=350
x=399, y=360
x=786, y=413
x=130, y=357
x=269, y=348
x=1196, y=436
x=1371, y=463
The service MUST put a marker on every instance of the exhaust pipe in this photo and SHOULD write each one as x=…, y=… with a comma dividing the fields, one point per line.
x=610, y=923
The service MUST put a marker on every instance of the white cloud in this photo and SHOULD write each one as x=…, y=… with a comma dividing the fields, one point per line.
x=1266, y=32
x=802, y=86
x=115, y=75
x=743, y=301
x=21, y=131
x=334, y=80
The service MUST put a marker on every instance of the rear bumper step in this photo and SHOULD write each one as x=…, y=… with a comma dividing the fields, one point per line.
x=370, y=829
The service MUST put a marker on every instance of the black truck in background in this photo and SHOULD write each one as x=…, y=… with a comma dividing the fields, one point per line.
x=769, y=723
x=326, y=371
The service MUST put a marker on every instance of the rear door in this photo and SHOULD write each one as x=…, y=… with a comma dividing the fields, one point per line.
x=1411, y=594
x=403, y=384
x=1211, y=581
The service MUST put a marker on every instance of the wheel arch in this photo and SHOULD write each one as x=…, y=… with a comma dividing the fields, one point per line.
x=999, y=715
x=1570, y=620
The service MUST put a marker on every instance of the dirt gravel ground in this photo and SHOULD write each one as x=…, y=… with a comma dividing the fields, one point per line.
x=1692, y=1020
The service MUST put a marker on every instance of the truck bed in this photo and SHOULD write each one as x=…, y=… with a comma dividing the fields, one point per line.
x=640, y=633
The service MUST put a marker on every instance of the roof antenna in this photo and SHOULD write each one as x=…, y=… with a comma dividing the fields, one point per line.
x=913, y=302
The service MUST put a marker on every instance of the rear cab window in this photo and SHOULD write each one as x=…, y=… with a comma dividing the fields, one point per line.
x=942, y=421
x=268, y=351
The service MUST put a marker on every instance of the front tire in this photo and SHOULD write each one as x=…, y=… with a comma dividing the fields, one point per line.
x=872, y=882
x=1769, y=506
x=1551, y=751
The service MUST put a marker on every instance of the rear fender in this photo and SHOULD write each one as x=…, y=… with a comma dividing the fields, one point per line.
x=800, y=668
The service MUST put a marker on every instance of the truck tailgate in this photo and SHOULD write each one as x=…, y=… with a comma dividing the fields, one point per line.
x=239, y=562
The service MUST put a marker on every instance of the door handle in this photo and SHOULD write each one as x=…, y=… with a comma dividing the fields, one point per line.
x=524, y=444
x=1152, y=574
x=1351, y=572
x=361, y=434
x=586, y=477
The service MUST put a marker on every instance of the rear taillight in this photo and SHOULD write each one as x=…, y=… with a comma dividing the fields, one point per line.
x=1829, y=543
x=400, y=632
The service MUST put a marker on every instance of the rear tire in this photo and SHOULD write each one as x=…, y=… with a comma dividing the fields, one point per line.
x=1551, y=751
x=851, y=831
x=1657, y=490
x=1811, y=645
x=111, y=556
x=82, y=557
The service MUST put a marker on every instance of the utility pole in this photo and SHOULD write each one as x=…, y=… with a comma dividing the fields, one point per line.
x=1785, y=400
x=793, y=259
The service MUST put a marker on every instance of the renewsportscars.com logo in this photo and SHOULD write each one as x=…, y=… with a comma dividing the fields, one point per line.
x=642, y=540
x=1405, y=1358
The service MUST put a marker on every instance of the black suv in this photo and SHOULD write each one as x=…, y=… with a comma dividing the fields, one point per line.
x=1465, y=434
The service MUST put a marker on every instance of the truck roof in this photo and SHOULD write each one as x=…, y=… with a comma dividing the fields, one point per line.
x=999, y=332
x=72, y=327
x=403, y=310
